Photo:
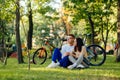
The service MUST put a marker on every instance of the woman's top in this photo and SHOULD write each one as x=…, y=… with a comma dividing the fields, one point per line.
x=77, y=53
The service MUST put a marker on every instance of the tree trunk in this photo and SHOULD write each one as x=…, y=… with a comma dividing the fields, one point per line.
x=30, y=31
x=3, y=43
x=104, y=38
x=3, y=33
x=64, y=25
x=118, y=32
x=92, y=29
x=17, y=33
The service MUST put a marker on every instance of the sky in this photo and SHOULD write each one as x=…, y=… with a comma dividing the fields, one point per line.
x=56, y=4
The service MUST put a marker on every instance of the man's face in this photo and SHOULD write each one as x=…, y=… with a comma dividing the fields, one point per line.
x=70, y=39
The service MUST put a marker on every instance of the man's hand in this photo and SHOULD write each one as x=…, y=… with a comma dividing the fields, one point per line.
x=67, y=53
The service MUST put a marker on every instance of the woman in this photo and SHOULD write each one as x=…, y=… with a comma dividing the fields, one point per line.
x=77, y=55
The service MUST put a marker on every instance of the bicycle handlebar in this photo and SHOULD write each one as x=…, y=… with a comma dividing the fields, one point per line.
x=47, y=42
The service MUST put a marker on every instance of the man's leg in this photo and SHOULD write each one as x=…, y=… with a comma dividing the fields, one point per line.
x=56, y=55
x=65, y=62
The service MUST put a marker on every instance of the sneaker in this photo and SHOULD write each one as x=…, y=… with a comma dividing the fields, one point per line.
x=52, y=65
x=80, y=66
x=71, y=67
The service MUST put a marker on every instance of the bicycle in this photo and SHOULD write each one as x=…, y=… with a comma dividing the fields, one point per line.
x=41, y=54
x=96, y=54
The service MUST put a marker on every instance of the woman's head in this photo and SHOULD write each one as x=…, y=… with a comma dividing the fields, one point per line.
x=78, y=44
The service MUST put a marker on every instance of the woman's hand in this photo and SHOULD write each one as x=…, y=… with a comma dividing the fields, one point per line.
x=73, y=54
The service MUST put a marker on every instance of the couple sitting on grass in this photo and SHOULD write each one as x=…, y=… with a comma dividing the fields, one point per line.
x=71, y=54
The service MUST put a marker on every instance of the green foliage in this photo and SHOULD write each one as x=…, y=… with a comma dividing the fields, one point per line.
x=47, y=31
x=7, y=16
x=46, y=9
x=7, y=10
x=103, y=14
x=45, y=27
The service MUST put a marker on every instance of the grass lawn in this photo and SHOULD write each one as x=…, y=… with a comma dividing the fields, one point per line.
x=110, y=70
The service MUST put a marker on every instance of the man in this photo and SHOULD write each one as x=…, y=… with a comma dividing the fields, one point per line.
x=65, y=50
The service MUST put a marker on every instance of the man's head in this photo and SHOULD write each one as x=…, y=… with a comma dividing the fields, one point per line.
x=70, y=39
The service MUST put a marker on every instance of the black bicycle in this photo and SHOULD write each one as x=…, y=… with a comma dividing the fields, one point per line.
x=96, y=54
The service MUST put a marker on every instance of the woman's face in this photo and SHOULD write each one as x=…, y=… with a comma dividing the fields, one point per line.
x=75, y=42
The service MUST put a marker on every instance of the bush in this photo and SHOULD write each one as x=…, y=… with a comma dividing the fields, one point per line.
x=110, y=52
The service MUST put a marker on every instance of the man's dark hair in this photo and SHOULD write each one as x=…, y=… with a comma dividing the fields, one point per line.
x=71, y=35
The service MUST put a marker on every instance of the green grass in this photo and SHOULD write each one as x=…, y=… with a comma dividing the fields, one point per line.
x=13, y=71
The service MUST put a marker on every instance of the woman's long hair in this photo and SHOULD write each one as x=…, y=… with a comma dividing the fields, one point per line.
x=79, y=44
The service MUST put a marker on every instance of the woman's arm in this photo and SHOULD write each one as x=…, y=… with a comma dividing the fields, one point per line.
x=83, y=52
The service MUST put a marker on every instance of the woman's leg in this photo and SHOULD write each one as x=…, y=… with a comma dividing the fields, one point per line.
x=77, y=62
x=72, y=59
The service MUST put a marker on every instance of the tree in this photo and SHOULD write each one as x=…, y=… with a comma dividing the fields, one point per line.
x=31, y=8
x=6, y=29
x=97, y=16
x=17, y=33
x=6, y=26
x=118, y=32
x=30, y=31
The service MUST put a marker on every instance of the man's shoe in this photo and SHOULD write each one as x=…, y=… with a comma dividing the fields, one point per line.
x=53, y=65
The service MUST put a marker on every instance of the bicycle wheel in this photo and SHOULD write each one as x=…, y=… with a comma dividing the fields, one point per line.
x=96, y=55
x=40, y=56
